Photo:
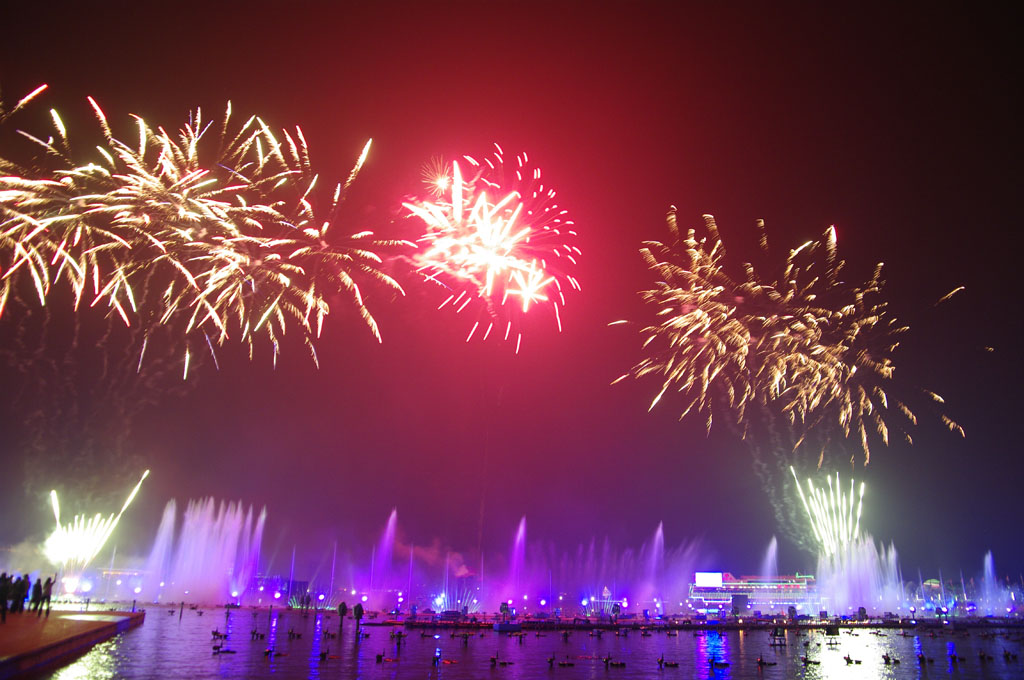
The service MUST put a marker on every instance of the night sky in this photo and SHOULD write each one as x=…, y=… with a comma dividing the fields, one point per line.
x=897, y=126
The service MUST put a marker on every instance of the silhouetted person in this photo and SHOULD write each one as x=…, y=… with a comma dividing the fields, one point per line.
x=26, y=588
x=47, y=594
x=18, y=591
x=37, y=595
x=5, y=593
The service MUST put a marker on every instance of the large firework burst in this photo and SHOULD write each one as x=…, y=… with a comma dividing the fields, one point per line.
x=805, y=345
x=499, y=244
x=224, y=221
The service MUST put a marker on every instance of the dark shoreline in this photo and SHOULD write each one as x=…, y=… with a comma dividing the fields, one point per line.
x=954, y=625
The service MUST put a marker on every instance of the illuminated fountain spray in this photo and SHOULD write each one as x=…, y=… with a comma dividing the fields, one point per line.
x=211, y=559
x=536, y=575
x=852, y=570
x=862, y=574
x=457, y=590
x=379, y=577
x=652, y=577
x=770, y=563
x=385, y=549
x=988, y=583
x=654, y=563
x=518, y=562
x=996, y=599
x=74, y=545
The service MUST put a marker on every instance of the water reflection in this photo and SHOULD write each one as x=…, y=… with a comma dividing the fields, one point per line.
x=712, y=654
x=168, y=647
x=98, y=664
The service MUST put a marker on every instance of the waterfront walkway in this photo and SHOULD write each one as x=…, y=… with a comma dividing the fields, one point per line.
x=29, y=644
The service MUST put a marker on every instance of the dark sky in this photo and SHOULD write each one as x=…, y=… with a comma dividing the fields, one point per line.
x=896, y=125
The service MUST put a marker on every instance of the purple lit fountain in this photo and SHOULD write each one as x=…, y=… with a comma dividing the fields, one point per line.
x=544, y=578
x=861, y=574
x=537, y=576
x=212, y=559
x=995, y=599
x=770, y=563
x=514, y=587
x=380, y=560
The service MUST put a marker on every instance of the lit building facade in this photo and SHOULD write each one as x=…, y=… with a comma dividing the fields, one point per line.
x=722, y=591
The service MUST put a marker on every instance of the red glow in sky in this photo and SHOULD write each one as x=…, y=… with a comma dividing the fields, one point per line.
x=897, y=125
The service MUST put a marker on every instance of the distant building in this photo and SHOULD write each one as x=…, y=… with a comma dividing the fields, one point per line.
x=723, y=591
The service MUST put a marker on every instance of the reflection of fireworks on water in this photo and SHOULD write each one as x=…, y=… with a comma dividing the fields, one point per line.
x=814, y=349
x=73, y=546
x=834, y=514
x=499, y=243
x=230, y=218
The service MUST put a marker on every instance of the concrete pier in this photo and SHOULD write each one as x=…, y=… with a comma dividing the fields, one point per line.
x=29, y=644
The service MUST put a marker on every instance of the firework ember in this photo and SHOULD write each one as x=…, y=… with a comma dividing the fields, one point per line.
x=222, y=223
x=810, y=348
x=499, y=245
x=835, y=522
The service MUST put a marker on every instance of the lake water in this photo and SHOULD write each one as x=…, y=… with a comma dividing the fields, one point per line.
x=168, y=647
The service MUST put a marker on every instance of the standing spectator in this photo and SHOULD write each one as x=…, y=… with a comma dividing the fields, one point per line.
x=5, y=592
x=47, y=593
x=37, y=596
x=18, y=592
x=23, y=593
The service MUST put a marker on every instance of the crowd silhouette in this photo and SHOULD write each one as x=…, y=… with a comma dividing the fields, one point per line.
x=14, y=591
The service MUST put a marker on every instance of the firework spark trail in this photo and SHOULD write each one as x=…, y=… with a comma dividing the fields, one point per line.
x=73, y=546
x=833, y=520
x=499, y=243
x=230, y=220
x=815, y=351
